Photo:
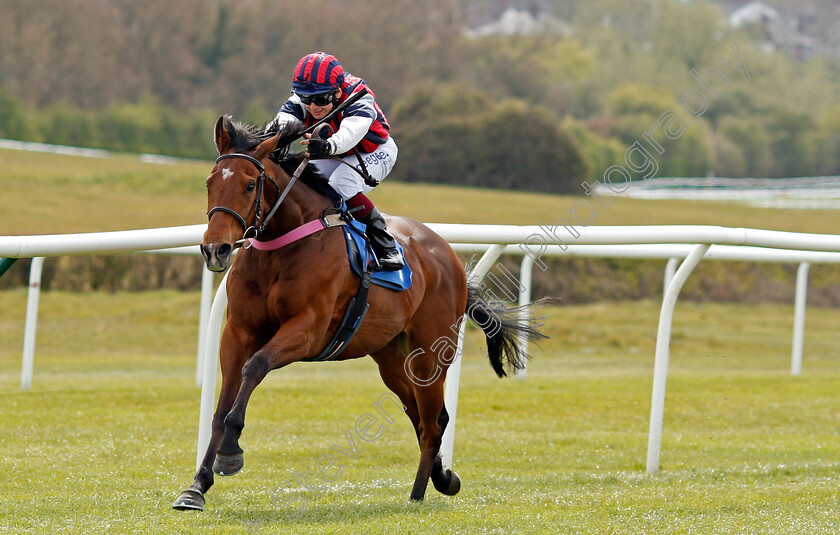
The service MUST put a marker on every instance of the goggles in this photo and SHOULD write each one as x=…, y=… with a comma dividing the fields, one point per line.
x=321, y=99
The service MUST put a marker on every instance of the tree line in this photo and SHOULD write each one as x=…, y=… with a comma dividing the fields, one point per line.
x=542, y=112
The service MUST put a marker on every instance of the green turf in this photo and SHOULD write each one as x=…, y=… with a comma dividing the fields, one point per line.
x=104, y=441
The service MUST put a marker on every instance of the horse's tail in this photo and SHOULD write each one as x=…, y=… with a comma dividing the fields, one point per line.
x=502, y=325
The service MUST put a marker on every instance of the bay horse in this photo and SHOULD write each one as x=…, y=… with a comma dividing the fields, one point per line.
x=284, y=305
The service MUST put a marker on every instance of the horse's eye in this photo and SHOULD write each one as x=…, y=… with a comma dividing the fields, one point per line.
x=250, y=187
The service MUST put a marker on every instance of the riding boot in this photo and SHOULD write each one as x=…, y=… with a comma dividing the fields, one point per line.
x=383, y=243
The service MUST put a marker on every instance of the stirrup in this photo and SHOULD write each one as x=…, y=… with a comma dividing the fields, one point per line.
x=390, y=261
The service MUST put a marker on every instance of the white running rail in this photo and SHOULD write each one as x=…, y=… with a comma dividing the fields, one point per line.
x=533, y=242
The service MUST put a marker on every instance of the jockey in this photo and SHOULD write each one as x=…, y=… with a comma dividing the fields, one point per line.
x=361, y=135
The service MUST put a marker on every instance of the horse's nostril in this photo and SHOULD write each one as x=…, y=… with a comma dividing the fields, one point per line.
x=224, y=250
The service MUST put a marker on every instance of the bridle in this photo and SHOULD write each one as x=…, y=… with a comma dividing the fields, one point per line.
x=259, y=223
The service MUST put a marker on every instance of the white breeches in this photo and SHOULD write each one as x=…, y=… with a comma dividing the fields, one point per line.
x=348, y=182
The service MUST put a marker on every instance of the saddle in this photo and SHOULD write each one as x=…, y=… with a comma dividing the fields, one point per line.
x=354, y=235
x=362, y=262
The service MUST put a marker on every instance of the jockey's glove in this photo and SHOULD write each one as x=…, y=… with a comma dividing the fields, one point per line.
x=319, y=148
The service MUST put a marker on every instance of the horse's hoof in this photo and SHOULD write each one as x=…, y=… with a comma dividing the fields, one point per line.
x=189, y=500
x=227, y=465
x=449, y=484
x=454, y=484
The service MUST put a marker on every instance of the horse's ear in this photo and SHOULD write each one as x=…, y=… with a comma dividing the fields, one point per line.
x=221, y=135
x=267, y=146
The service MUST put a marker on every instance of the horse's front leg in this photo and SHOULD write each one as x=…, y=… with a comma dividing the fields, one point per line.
x=233, y=354
x=291, y=343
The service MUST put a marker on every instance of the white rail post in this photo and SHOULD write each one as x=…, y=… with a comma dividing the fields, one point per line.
x=31, y=325
x=203, y=317
x=670, y=269
x=208, y=368
x=453, y=375
x=799, y=318
x=526, y=270
x=663, y=342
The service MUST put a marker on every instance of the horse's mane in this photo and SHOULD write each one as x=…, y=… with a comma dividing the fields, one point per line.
x=246, y=137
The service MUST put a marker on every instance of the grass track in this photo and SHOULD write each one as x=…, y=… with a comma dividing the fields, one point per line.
x=105, y=440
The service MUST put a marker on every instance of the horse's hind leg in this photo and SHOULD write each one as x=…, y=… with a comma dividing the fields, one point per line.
x=445, y=481
x=417, y=405
x=415, y=370
x=430, y=405
x=390, y=363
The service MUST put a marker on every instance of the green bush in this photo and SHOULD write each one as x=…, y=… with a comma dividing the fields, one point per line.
x=454, y=135
x=789, y=141
x=145, y=126
x=572, y=280
x=598, y=152
x=13, y=120
x=132, y=127
x=727, y=159
x=826, y=143
x=748, y=134
x=110, y=273
x=62, y=124
x=590, y=280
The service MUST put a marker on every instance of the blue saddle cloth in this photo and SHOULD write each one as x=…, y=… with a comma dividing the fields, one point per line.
x=393, y=280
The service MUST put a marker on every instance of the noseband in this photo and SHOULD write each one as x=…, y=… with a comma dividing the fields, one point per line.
x=258, y=227
x=256, y=208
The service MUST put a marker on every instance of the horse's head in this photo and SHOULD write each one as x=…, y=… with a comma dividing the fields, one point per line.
x=244, y=188
x=235, y=190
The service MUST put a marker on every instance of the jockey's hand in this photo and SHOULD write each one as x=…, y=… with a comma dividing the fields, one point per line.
x=317, y=147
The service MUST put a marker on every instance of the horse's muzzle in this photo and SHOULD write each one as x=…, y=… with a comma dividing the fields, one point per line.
x=216, y=258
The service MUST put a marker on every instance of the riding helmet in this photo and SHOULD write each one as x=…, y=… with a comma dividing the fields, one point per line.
x=316, y=73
